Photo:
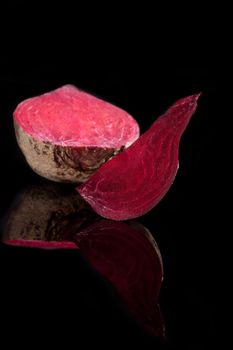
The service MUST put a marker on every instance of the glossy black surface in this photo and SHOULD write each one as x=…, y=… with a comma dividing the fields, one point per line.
x=55, y=296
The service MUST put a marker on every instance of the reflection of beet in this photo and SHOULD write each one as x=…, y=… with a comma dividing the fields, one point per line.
x=67, y=134
x=126, y=255
x=129, y=258
x=133, y=182
x=46, y=216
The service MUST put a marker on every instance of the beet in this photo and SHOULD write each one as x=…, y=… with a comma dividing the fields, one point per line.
x=67, y=134
x=46, y=216
x=128, y=257
x=133, y=182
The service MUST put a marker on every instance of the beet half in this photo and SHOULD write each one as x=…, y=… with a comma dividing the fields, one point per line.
x=67, y=134
x=133, y=182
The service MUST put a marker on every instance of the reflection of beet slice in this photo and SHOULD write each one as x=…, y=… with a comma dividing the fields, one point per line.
x=46, y=216
x=129, y=258
x=67, y=134
x=132, y=183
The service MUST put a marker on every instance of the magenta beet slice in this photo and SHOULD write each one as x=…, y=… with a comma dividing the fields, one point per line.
x=133, y=182
x=67, y=134
x=127, y=256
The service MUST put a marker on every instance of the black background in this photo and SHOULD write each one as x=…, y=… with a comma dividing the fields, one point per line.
x=142, y=61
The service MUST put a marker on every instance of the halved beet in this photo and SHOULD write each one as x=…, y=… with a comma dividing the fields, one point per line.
x=46, y=216
x=133, y=182
x=129, y=258
x=67, y=134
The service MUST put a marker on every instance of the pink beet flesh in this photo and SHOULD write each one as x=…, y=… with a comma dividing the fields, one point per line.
x=133, y=182
x=70, y=117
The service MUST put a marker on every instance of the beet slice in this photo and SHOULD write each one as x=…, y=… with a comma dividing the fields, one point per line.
x=67, y=134
x=127, y=256
x=46, y=216
x=133, y=182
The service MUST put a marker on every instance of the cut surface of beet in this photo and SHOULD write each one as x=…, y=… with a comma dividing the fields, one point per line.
x=67, y=134
x=127, y=255
x=68, y=116
x=133, y=182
